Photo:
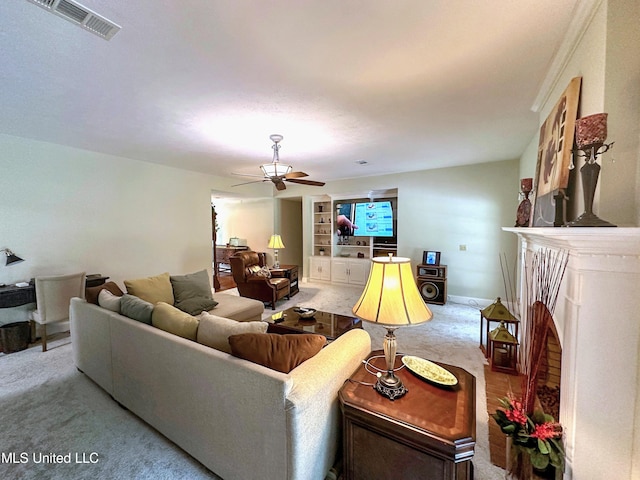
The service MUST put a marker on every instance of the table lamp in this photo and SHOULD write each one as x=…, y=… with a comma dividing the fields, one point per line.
x=275, y=242
x=391, y=299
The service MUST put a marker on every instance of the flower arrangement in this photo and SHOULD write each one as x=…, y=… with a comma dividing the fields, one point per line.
x=537, y=435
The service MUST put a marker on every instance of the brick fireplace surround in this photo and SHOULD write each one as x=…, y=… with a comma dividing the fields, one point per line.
x=597, y=318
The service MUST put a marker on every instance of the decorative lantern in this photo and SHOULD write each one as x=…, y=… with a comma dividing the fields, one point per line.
x=496, y=312
x=503, y=350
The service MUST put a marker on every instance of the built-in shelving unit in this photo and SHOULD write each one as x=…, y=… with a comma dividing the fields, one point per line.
x=339, y=258
x=322, y=228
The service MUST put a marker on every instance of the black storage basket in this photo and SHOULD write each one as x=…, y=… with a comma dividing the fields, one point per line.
x=14, y=336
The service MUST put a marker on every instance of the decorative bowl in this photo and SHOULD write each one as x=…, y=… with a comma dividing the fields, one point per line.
x=304, y=312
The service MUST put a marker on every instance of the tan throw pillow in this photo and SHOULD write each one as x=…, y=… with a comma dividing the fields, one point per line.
x=170, y=319
x=277, y=352
x=152, y=289
x=214, y=331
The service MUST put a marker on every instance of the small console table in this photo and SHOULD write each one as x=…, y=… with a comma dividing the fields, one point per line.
x=428, y=433
x=12, y=296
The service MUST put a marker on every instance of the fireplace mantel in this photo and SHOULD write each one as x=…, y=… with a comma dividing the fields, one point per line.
x=598, y=321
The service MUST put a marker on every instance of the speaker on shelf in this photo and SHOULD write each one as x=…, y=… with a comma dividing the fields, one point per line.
x=438, y=271
x=433, y=290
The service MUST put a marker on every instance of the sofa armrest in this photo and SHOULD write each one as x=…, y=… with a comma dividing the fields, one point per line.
x=90, y=327
x=313, y=412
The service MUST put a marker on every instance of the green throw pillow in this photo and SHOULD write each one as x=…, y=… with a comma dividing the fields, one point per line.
x=136, y=308
x=192, y=292
x=196, y=305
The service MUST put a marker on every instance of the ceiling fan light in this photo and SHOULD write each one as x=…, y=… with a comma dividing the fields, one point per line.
x=275, y=169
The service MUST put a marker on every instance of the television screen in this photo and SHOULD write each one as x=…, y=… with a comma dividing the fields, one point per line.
x=373, y=219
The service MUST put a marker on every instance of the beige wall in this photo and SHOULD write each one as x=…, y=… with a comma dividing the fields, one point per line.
x=606, y=58
x=442, y=209
x=65, y=210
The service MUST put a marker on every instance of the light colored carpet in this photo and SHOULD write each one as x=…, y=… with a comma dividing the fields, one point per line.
x=47, y=406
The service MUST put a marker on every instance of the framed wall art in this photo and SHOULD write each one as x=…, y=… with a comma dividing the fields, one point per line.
x=555, y=149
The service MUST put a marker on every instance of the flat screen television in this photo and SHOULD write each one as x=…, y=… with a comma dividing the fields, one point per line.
x=374, y=219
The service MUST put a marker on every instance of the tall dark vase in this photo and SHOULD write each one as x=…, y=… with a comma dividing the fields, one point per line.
x=591, y=132
x=589, y=173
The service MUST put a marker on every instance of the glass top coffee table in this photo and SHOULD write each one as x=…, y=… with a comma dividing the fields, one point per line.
x=331, y=325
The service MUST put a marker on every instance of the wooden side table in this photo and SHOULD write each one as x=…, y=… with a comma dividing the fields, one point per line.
x=290, y=272
x=427, y=434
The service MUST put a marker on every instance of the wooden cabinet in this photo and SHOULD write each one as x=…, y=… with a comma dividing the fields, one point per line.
x=353, y=271
x=222, y=256
x=320, y=268
x=428, y=434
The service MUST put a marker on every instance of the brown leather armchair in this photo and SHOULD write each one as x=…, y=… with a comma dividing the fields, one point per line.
x=268, y=290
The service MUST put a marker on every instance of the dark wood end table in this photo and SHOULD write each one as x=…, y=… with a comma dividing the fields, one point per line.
x=331, y=325
x=290, y=272
x=427, y=434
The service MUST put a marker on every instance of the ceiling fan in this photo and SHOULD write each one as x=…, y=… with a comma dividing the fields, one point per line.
x=277, y=172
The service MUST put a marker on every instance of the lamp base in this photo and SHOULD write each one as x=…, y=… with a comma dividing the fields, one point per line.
x=390, y=386
x=588, y=219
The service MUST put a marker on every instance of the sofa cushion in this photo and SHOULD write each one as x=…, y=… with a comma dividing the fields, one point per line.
x=108, y=300
x=277, y=352
x=214, y=331
x=192, y=292
x=152, y=289
x=91, y=293
x=136, y=308
x=170, y=319
x=238, y=308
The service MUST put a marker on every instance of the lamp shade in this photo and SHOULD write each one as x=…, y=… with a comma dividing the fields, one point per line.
x=11, y=257
x=275, y=242
x=275, y=169
x=391, y=297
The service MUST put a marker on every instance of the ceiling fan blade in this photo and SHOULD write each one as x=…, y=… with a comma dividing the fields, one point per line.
x=295, y=175
x=305, y=182
x=247, y=183
x=246, y=175
x=279, y=183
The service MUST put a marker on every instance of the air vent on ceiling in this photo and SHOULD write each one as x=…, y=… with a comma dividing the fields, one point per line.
x=80, y=15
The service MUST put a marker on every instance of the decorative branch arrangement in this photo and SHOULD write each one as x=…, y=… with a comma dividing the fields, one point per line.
x=543, y=279
x=509, y=283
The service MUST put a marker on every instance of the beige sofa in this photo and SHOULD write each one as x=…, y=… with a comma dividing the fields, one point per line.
x=240, y=419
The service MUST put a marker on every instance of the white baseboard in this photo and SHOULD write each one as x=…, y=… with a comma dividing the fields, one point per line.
x=478, y=303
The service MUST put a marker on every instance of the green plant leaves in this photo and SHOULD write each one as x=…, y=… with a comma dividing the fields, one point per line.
x=539, y=460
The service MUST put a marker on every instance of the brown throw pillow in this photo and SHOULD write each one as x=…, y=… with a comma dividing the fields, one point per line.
x=91, y=293
x=277, y=352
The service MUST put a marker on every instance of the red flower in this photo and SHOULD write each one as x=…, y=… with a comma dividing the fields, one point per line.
x=547, y=430
x=516, y=412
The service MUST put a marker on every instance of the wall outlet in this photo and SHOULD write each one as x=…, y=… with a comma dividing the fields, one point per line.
x=463, y=248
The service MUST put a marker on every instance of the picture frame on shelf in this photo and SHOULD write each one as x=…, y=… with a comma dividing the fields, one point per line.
x=430, y=257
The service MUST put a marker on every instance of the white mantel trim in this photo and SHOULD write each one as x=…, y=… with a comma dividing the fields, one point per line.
x=598, y=321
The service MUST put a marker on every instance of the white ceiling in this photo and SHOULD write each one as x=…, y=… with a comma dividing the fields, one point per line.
x=201, y=84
